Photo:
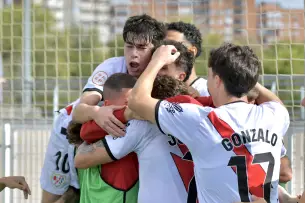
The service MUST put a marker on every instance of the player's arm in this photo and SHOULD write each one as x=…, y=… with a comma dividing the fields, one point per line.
x=91, y=132
x=285, y=170
x=140, y=100
x=87, y=108
x=265, y=95
x=109, y=149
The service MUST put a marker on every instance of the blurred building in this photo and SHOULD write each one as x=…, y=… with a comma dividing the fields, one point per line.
x=276, y=23
x=86, y=13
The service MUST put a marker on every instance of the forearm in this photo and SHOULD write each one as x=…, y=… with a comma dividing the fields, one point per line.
x=265, y=95
x=84, y=112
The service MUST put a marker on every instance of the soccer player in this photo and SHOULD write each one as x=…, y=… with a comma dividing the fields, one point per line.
x=236, y=146
x=191, y=37
x=114, y=182
x=160, y=179
x=140, y=34
x=13, y=182
x=55, y=177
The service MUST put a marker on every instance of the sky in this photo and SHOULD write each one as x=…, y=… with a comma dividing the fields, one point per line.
x=286, y=3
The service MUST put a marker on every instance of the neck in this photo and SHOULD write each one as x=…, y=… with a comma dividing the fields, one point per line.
x=192, y=77
x=228, y=99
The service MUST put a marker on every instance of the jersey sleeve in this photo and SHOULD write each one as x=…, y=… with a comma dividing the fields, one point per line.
x=178, y=120
x=205, y=101
x=183, y=99
x=101, y=73
x=91, y=132
x=279, y=114
x=117, y=148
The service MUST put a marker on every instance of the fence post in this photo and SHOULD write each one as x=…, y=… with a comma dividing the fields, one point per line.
x=302, y=93
x=7, y=157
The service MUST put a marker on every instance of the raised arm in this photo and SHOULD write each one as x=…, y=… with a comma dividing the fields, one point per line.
x=140, y=100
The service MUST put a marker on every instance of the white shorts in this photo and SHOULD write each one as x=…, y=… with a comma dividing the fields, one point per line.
x=56, y=172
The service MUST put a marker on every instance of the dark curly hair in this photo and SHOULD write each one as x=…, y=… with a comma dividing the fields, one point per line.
x=186, y=59
x=143, y=28
x=190, y=32
x=237, y=66
x=73, y=133
x=166, y=86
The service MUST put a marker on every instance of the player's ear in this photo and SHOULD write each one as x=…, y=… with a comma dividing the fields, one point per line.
x=193, y=49
x=181, y=76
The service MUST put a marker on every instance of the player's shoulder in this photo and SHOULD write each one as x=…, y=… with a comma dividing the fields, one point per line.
x=186, y=109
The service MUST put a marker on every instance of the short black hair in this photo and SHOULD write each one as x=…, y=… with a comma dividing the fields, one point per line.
x=165, y=86
x=116, y=82
x=143, y=27
x=190, y=32
x=186, y=59
x=237, y=66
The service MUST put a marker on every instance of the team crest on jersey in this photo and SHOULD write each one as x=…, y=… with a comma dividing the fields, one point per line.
x=99, y=78
x=58, y=179
x=173, y=107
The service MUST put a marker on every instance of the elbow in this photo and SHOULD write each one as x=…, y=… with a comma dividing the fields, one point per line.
x=80, y=162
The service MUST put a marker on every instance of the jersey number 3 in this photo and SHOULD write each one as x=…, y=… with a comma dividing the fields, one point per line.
x=248, y=178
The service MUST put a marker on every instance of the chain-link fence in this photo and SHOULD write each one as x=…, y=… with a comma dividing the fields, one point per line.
x=49, y=48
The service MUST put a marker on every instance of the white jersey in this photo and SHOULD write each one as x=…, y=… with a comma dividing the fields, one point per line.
x=236, y=148
x=56, y=172
x=103, y=72
x=160, y=180
x=200, y=84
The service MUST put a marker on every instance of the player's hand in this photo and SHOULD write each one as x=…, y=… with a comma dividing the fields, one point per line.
x=193, y=92
x=18, y=182
x=166, y=54
x=106, y=120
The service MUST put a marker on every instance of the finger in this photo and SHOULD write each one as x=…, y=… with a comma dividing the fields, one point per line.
x=118, y=131
x=111, y=131
x=176, y=55
x=114, y=120
x=117, y=107
x=25, y=194
x=27, y=187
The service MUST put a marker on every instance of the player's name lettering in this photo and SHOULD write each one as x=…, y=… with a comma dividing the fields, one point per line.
x=247, y=136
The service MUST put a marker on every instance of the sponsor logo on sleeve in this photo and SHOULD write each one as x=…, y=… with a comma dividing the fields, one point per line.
x=172, y=108
x=99, y=78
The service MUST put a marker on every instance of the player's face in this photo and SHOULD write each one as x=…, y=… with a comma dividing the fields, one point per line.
x=173, y=71
x=137, y=56
x=213, y=84
x=179, y=37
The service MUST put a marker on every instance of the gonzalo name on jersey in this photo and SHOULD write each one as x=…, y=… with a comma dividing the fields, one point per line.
x=247, y=136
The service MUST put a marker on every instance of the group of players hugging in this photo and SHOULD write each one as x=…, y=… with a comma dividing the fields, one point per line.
x=147, y=129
